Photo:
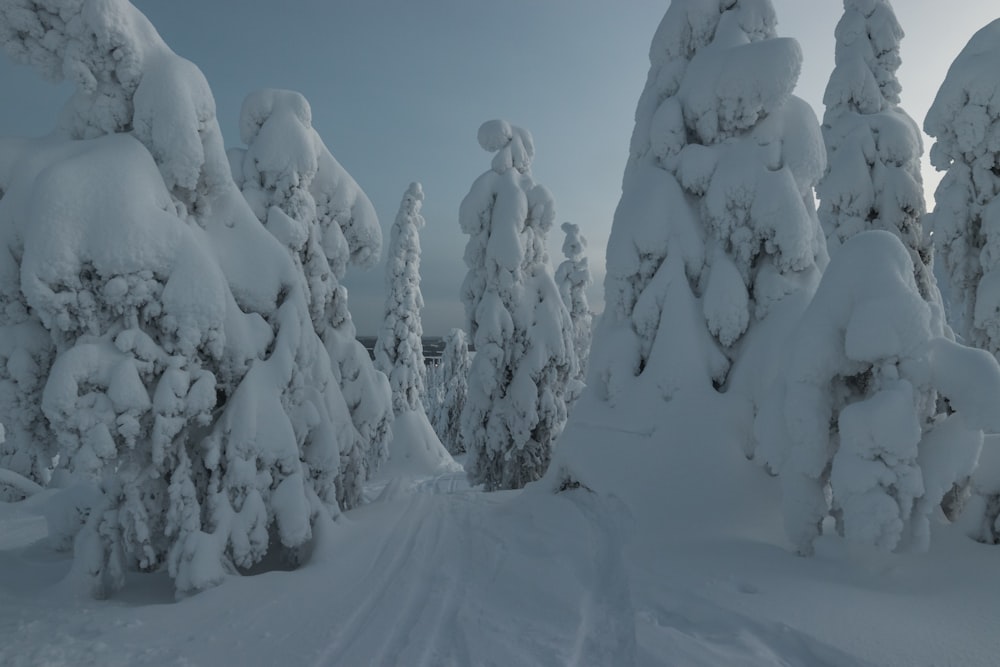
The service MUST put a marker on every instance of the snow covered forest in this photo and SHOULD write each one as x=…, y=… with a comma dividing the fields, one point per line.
x=778, y=444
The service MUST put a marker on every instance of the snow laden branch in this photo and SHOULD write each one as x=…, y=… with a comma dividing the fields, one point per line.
x=516, y=407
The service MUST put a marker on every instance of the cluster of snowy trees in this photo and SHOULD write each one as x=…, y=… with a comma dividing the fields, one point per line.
x=723, y=276
x=174, y=328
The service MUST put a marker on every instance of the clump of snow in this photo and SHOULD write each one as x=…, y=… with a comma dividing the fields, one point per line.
x=873, y=177
x=716, y=224
x=521, y=329
x=853, y=423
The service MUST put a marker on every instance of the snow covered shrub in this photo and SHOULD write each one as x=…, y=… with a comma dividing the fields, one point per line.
x=399, y=351
x=965, y=121
x=873, y=147
x=451, y=388
x=306, y=199
x=573, y=278
x=877, y=415
x=186, y=376
x=716, y=225
x=516, y=407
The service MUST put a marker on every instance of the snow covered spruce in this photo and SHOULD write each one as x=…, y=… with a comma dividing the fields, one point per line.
x=306, y=199
x=965, y=122
x=716, y=226
x=414, y=447
x=877, y=415
x=179, y=367
x=521, y=329
x=450, y=390
x=873, y=147
x=573, y=278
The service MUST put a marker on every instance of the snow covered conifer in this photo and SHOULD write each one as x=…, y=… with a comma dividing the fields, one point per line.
x=399, y=348
x=573, y=278
x=873, y=147
x=306, y=199
x=519, y=325
x=965, y=121
x=452, y=387
x=877, y=415
x=716, y=226
x=186, y=378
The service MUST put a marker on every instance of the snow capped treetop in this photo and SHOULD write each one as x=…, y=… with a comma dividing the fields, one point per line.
x=513, y=145
x=574, y=244
x=287, y=158
x=867, y=57
x=965, y=121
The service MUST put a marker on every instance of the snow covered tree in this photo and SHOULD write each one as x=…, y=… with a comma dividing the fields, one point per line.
x=185, y=375
x=716, y=227
x=451, y=388
x=573, y=278
x=965, y=121
x=516, y=407
x=873, y=147
x=306, y=199
x=855, y=427
x=399, y=351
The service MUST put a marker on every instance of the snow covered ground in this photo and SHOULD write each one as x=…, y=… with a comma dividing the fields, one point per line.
x=650, y=567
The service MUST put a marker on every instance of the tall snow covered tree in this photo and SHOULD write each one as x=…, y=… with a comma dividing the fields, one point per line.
x=299, y=191
x=450, y=390
x=573, y=278
x=965, y=121
x=516, y=407
x=873, y=147
x=185, y=375
x=399, y=351
x=716, y=226
x=855, y=427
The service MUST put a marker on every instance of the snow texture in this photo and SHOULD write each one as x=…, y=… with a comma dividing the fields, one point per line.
x=162, y=332
x=522, y=332
x=399, y=350
x=573, y=278
x=875, y=415
x=716, y=224
x=873, y=147
x=302, y=195
x=449, y=390
x=966, y=219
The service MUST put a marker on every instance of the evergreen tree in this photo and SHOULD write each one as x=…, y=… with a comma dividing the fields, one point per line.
x=399, y=348
x=873, y=147
x=716, y=226
x=450, y=389
x=573, y=278
x=521, y=329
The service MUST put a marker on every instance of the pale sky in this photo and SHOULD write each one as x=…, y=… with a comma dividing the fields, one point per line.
x=399, y=87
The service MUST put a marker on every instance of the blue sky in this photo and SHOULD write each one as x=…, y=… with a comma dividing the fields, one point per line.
x=399, y=88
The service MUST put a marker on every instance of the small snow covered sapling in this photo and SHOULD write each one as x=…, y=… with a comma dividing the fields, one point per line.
x=521, y=329
x=877, y=415
x=573, y=278
x=716, y=225
x=451, y=388
x=873, y=147
x=399, y=347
